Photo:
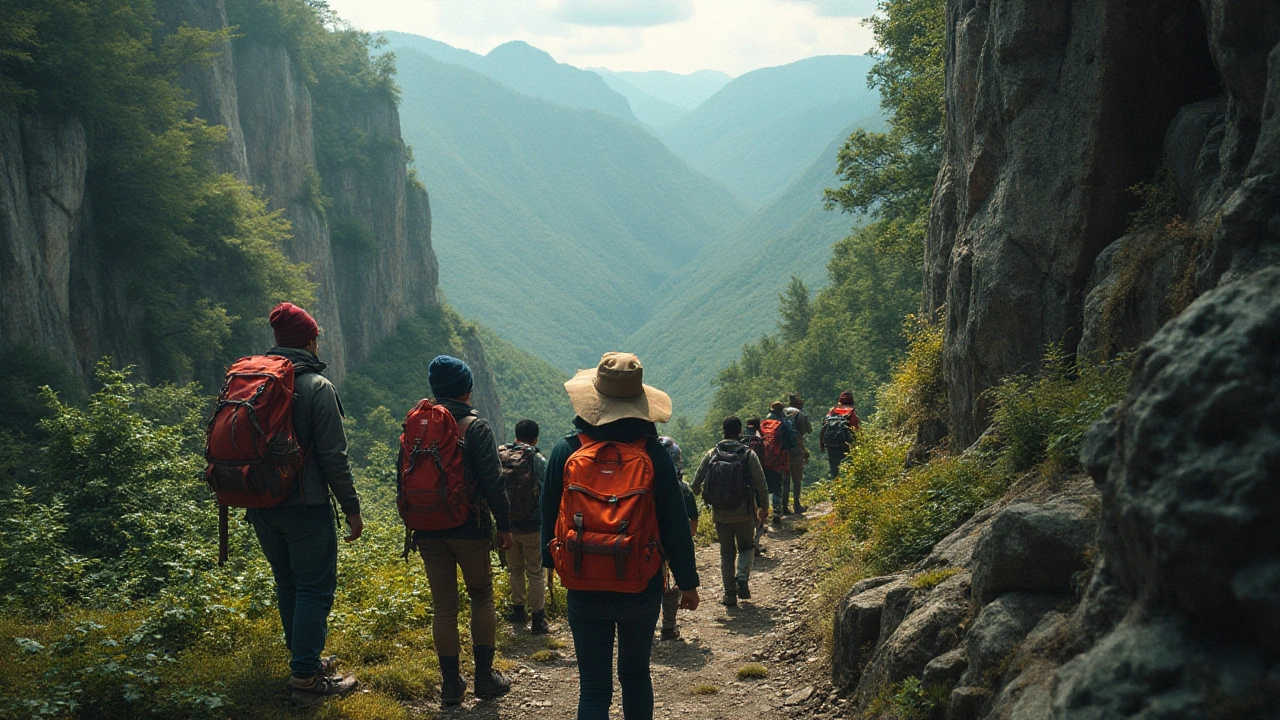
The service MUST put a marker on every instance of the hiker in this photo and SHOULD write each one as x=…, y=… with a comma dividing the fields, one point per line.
x=838, y=429
x=522, y=469
x=779, y=439
x=297, y=535
x=671, y=593
x=611, y=512
x=752, y=438
x=731, y=480
x=460, y=532
x=802, y=426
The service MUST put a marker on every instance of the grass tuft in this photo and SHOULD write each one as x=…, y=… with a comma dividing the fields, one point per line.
x=704, y=689
x=753, y=671
x=545, y=656
x=932, y=578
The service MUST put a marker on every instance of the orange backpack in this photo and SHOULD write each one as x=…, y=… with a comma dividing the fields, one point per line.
x=431, y=483
x=606, y=535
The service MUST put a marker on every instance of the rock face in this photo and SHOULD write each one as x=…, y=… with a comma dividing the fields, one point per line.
x=1055, y=108
x=369, y=252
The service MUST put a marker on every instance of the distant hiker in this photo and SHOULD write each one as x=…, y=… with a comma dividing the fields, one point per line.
x=802, y=426
x=611, y=511
x=677, y=455
x=671, y=594
x=752, y=438
x=838, y=429
x=263, y=395
x=449, y=482
x=779, y=439
x=731, y=480
x=522, y=470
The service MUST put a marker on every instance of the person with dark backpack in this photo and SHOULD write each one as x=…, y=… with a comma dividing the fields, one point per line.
x=838, y=431
x=752, y=438
x=522, y=470
x=449, y=484
x=611, y=513
x=732, y=482
x=276, y=446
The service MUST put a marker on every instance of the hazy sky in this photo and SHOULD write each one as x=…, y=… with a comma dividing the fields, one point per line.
x=679, y=35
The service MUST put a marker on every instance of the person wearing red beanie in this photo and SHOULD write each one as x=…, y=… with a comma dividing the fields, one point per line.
x=839, y=430
x=298, y=536
x=293, y=326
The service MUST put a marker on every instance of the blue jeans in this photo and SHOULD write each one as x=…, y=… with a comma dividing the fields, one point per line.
x=774, y=479
x=301, y=544
x=594, y=619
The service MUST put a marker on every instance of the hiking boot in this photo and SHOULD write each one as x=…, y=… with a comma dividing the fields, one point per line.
x=777, y=520
x=759, y=551
x=452, y=687
x=517, y=615
x=539, y=625
x=784, y=511
x=670, y=633
x=489, y=682
x=729, y=600
x=308, y=692
x=744, y=592
x=328, y=666
x=799, y=509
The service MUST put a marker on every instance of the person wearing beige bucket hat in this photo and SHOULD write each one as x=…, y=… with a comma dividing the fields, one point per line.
x=615, y=436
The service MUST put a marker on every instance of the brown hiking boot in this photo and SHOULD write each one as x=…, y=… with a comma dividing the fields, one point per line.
x=670, y=633
x=538, y=624
x=318, y=688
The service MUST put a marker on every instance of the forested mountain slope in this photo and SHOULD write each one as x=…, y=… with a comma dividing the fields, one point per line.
x=525, y=68
x=760, y=131
x=659, y=97
x=728, y=295
x=554, y=226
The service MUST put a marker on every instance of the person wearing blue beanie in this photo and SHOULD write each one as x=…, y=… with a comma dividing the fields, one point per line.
x=467, y=546
x=449, y=377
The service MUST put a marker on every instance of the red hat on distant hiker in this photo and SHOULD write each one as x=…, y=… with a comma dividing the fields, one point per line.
x=846, y=398
x=293, y=326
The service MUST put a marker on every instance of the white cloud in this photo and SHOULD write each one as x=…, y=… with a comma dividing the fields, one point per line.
x=734, y=36
x=623, y=13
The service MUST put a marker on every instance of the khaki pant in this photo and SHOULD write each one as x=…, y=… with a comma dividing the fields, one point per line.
x=442, y=558
x=524, y=565
x=737, y=552
x=791, y=480
x=670, y=600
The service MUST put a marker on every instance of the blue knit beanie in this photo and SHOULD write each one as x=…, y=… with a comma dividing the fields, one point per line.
x=449, y=377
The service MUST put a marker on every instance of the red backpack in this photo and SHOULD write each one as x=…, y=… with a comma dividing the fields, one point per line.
x=431, y=484
x=253, y=455
x=606, y=534
x=775, y=457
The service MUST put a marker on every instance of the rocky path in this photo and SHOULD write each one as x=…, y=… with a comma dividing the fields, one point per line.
x=696, y=676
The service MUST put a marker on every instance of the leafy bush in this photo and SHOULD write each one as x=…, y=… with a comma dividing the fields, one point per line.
x=917, y=391
x=37, y=572
x=1042, y=420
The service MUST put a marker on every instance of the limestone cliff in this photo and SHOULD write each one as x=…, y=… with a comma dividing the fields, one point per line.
x=364, y=232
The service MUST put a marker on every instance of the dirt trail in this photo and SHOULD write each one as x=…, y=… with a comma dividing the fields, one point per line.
x=716, y=642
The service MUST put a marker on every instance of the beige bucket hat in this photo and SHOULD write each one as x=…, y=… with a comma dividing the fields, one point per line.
x=615, y=390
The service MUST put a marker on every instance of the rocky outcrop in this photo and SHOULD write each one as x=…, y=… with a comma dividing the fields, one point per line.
x=1055, y=108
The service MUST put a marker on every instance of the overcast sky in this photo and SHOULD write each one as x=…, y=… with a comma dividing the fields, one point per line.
x=734, y=36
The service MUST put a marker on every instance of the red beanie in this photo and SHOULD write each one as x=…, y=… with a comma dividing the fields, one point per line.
x=294, y=328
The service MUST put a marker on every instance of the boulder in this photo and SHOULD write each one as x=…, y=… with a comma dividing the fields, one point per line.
x=946, y=669
x=996, y=632
x=933, y=627
x=1035, y=548
x=964, y=703
x=856, y=628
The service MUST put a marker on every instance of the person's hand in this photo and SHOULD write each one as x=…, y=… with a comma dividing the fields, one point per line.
x=356, y=523
x=762, y=514
x=689, y=599
x=504, y=541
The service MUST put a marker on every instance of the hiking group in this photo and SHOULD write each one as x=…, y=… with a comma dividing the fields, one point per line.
x=609, y=510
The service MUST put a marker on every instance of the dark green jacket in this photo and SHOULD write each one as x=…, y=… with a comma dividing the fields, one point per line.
x=484, y=473
x=673, y=519
x=317, y=420
x=534, y=522
x=756, y=484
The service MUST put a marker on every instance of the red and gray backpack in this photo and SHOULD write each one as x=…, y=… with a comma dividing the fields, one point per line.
x=432, y=492
x=252, y=453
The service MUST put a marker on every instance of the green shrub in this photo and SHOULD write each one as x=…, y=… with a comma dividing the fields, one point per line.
x=1042, y=420
x=38, y=574
x=917, y=391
